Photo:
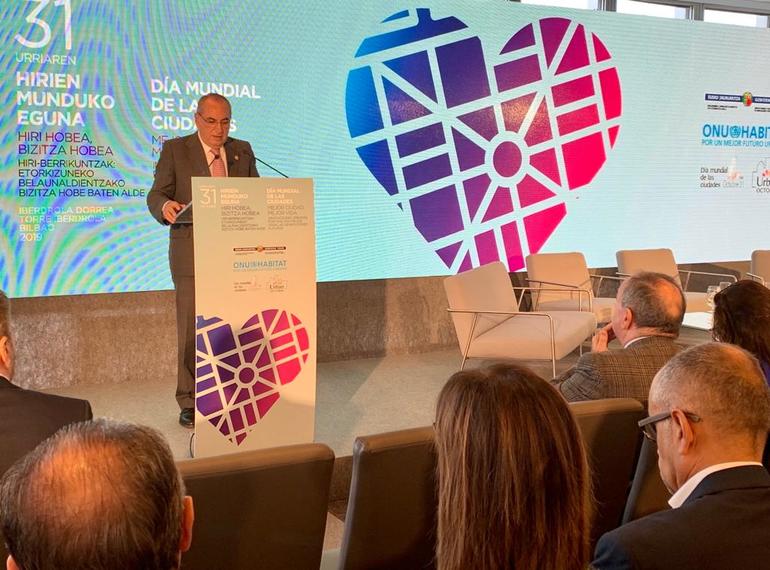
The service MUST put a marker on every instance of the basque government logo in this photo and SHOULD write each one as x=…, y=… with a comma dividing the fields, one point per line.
x=240, y=371
x=481, y=151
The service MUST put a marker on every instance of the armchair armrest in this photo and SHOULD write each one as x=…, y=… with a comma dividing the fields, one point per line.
x=571, y=289
x=615, y=277
x=690, y=272
x=567, y=285
x=602, y=278
x=755, y=277
x=510, y=314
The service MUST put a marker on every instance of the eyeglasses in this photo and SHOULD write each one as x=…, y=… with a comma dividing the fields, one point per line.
x=648, y=424
x=224, y=123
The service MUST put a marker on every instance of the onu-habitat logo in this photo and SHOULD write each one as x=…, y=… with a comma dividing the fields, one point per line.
x=480, y=145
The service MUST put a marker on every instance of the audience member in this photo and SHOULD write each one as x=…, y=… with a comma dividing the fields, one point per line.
x=709, y=413
x=742, y=317
x=646, y=318
x=98, y=495
x=513, y=484
x=27, y=417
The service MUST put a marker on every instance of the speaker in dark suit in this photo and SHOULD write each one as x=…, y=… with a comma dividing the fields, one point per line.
x=207, y=152
x=28, y=417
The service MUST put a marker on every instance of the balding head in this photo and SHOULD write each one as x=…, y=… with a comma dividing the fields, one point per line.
x=648, y=304
x=722, y=383
x=96, y=495
x=713, y=407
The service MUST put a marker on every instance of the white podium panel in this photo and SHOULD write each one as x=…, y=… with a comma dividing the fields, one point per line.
x=255, y=288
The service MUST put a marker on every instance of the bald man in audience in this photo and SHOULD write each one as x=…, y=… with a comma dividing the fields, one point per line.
x=646, y=318
x=99, y=495
x=709, y=413
x=27, y=417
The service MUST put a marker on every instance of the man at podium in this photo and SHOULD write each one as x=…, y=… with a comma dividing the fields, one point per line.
x=207, y=152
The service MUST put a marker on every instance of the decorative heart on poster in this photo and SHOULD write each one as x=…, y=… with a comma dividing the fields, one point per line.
x=482, y=152
x=241, y=370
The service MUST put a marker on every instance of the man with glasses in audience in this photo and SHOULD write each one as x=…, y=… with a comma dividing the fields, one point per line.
x=207, y=152
x=709, y=414
x=27, y=417
x=646, y=318
x=101, y=495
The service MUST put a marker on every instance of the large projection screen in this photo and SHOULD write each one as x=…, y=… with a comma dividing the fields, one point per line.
x=441, y=135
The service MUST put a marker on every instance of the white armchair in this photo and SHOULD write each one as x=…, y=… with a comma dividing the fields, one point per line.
x=632, y=261
x=567, y=272
x=489, y=323
x=760, y=266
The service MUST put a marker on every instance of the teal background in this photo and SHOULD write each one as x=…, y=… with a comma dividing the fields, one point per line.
x=297, y=55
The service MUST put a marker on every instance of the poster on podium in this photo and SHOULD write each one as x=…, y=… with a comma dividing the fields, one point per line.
x=255, y=288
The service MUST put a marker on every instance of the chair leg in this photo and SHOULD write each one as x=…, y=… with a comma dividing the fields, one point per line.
x=553, y=350
x=553, y=366
x=470, y=338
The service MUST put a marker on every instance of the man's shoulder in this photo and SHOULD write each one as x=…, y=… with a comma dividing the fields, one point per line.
x=177, y=142
x=604, y=358
x=652, y=346
x=33, y=398
x=671, y=538
x=655, y=343
x=633, y=544
x=237, y=143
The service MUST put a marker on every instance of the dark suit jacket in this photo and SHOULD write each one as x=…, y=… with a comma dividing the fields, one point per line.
x=181, y=159
x=623, y=373
x=28, y=417
x=723, y=524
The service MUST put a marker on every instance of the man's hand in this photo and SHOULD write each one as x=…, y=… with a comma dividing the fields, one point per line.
x=602, y=338
x=170, y=211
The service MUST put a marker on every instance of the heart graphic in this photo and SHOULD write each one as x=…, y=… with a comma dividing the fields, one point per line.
x=482, y=154
x=240, y=371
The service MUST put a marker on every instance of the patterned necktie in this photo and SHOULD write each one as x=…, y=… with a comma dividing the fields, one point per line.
x=217, y=165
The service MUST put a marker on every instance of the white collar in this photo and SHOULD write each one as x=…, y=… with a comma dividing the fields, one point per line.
x=678, y=498
x=633, y=340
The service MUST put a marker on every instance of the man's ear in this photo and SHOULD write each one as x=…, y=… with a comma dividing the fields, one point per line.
x=628, y=318
x=188, y=517
x=683, y=432
x=5, y=352
x=10, y=564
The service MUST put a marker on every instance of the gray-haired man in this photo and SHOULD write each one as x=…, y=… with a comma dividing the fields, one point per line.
x=98, y=495
x=709, y=414
x=648, y=312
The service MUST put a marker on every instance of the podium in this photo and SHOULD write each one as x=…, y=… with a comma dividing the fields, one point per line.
x=255, y=297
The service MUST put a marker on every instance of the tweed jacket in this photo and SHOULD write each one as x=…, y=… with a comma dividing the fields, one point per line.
x=623, y=373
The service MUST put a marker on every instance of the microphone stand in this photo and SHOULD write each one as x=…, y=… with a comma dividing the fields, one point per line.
x=271, y=167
